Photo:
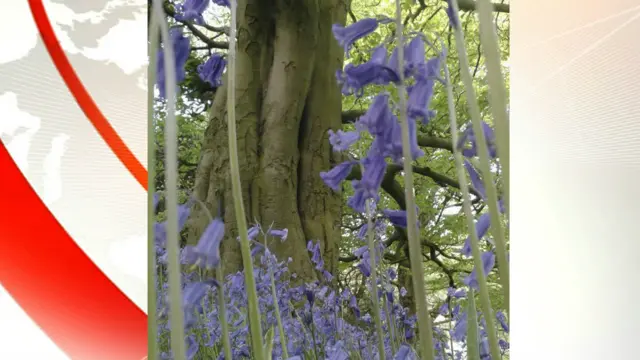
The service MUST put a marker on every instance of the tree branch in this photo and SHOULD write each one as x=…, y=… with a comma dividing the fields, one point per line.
x=199, y=34
x=350, y=116
x=439, y=179
x=470, y=5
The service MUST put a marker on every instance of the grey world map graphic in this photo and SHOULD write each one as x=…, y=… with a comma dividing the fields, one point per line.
x=61, y=154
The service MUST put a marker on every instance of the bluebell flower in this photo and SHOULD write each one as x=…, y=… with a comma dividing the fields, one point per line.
x=482, y=227
x=468, y=135
x=456, y=310
x=485, y=353
x=484, y=221
x=181, y=49
x=476, y=182
x=391, y=273
x=316, y=256
x=252, y=233
x=502, y=320
x=354, y=78
x=211, y=71
x=414, y=58
x=378, y=118
x=361, y=252
x=334, y=177
x=488, y=262
x=503, y=344
x=416, y=151
x=207, y=251
x=365, y=267
x=353, y=305
x=389, y=296
x=405, y=352
x=389, y=143
x=160, y=229
x=184, y=211
x=415, y=65
x=368, y=186
x=282, y=234
x=342, y=140
x=414, y=55
x=337, y=352
x=192, y=347
x=362, y=232
x=421, y=93
x=444, y=309
x=397, y=217
x=310, y=296
x=454, y=21
x=191, y=10
x=192, y=295
x=346, y=36
x=226, y=3
x=456, y=293
x=459, y=331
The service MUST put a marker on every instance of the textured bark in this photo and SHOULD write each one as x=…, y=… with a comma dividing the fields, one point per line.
x=318, y=205
x=406, y=281
x=286, y=102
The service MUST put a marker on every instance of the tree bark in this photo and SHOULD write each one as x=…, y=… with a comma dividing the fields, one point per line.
x=287, y=100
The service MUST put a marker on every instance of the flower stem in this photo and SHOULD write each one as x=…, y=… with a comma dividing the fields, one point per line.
x=485, y=167
x=450, y=326
x=415, y=249
x=313, y=335
x=176, y=315
x=485, y=301
x=374, y=281
x=222, y=308
x=390, y=324
x=151, y=244
x=283, y=335
x=254, y=312
x=497, y=91
x=222, y=312
x=473, y=350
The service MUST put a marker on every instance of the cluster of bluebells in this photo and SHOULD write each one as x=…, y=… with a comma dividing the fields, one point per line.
x=484, y=221
x=380, y=120
x=212, y=69
x=453, y=310
x=320, y=321
x=382, y=123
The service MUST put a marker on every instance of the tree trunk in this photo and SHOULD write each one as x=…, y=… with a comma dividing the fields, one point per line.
x=287, y=99
x=405, y=279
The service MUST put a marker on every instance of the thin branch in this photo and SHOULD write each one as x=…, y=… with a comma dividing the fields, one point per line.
x=224, y=45
x=440, y=179
x=470, y=5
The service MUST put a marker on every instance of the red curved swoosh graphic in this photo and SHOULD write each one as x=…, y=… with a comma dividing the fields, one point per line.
x=56, y=283
x=41, y=266
x=82, y=96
